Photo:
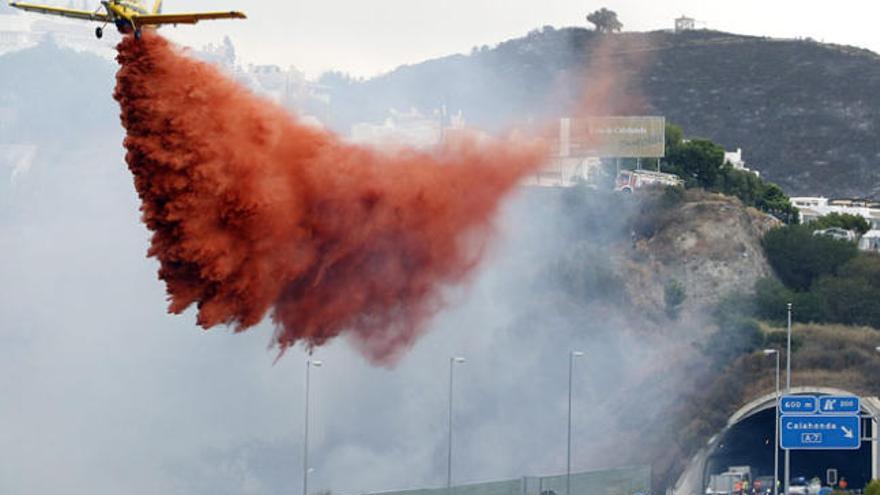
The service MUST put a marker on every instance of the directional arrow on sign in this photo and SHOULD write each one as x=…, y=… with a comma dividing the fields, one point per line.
x=847, y=433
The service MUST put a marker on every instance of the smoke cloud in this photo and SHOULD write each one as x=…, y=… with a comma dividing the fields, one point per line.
x=254, y=212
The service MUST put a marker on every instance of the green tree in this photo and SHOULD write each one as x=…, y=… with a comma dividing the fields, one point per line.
x=674, y=137
x=872, y=488
x=773, y=200
x=771, y=299
x=700, y=162
x=851, y=296
x=799, y=258
x=605, y=20
x=844, y=221
x=849, y=300
x=697, y=161
x=865, y=265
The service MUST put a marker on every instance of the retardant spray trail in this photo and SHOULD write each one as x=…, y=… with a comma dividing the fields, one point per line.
x=253, y=212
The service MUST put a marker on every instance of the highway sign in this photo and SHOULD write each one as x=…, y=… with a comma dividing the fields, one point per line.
x=839, y=404
x=797, y=404
x=820, y=432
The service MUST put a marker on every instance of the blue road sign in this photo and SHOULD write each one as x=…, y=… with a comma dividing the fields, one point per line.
x=820, y=432
x=839, y=404
x=797, y=404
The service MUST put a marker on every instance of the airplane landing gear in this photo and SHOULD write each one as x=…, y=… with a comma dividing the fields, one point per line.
x=99, y=32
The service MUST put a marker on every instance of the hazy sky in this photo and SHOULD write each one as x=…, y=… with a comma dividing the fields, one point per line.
x=368, y=37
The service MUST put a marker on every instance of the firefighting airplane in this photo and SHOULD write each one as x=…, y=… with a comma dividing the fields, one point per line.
x=128, y=15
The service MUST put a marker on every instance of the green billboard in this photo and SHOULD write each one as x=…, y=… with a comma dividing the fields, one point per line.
x=613, y=137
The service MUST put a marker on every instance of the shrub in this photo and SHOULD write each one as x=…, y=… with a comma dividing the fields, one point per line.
x=673, y=295
x=771, y=299
x=849, y=300
x=799, y=258
x=735, y=338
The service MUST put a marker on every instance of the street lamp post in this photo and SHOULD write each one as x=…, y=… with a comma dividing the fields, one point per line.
x=309, y=365
x=787, y=391
x=571, y=356
x=452, y=362
x=771, y=352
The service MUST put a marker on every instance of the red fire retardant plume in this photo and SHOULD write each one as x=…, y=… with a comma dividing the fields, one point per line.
x=254, y=212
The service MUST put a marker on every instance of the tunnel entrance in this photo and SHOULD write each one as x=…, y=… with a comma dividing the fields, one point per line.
x=750, y=443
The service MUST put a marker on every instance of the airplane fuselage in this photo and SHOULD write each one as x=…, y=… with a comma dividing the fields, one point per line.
x=122, y=11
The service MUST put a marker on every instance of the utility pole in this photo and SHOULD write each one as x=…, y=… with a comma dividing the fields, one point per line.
x=787, y=392
x=571, y=356
x=452, y=362
x=769, y=352
x=309, y=365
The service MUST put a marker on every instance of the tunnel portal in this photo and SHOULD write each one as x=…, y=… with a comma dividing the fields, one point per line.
x=748, y=440
x=750, y=443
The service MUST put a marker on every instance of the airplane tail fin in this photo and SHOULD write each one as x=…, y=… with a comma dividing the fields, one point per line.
x=157, y=7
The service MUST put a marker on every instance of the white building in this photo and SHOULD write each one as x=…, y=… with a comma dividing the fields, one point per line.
x=735, y=159
x=408, y=129
x=685, y=23
x=811, y=208
x=870, y=241
x=21, y=30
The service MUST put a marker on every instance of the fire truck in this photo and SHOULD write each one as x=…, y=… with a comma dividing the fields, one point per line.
x=633, y=180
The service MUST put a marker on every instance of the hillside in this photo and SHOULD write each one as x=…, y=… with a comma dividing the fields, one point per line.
x=622, y=250
x=806, y=114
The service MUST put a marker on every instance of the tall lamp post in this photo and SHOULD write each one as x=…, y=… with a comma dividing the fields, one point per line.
x=309, y=365
x=787, y=391
x=571, y=356
x=775, y=352
x=452, y=361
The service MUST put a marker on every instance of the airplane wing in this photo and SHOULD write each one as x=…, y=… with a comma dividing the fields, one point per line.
x=158, y=19
x=76, y=14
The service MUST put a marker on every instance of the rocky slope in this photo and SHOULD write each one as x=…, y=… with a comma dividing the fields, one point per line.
x=710, y=244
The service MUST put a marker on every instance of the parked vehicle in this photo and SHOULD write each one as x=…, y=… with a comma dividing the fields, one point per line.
x=837, y=233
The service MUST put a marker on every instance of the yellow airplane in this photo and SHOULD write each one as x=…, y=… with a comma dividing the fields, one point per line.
x=129, y=16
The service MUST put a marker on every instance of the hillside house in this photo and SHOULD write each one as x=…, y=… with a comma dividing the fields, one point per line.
x=685, y=23
x=735, y=159
x=811, y=208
